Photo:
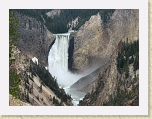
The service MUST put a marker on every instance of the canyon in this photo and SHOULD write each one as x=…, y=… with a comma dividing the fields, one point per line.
x=92, y=52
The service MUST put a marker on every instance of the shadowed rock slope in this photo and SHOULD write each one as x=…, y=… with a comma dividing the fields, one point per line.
x=35, y=40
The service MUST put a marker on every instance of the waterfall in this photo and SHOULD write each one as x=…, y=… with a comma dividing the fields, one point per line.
x=58, y=55
x=58, y=66
x=58, y=58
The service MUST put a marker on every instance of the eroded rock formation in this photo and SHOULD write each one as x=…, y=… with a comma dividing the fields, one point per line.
x=96, y=40
x=90, y=43
x=34, y=38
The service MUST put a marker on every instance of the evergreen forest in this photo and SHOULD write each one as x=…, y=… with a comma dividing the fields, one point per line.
x=128, y=54
x=58, y=25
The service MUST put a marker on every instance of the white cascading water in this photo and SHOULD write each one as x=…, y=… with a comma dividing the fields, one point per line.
x=58, y=66
x=58, y=55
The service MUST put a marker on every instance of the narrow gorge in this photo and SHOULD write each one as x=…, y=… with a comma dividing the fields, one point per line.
x=90, y=63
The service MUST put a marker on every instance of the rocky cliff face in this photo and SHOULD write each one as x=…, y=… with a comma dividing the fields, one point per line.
x=53, y=13
x=90, y=43
x=96, y=41
x=112, y=88
x=123, y=26
x=34, y=38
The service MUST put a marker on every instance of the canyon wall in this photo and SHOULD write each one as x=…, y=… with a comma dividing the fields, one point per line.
x=90, y=43
x=34, y=38
x=95, y=41
x=123, y=26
